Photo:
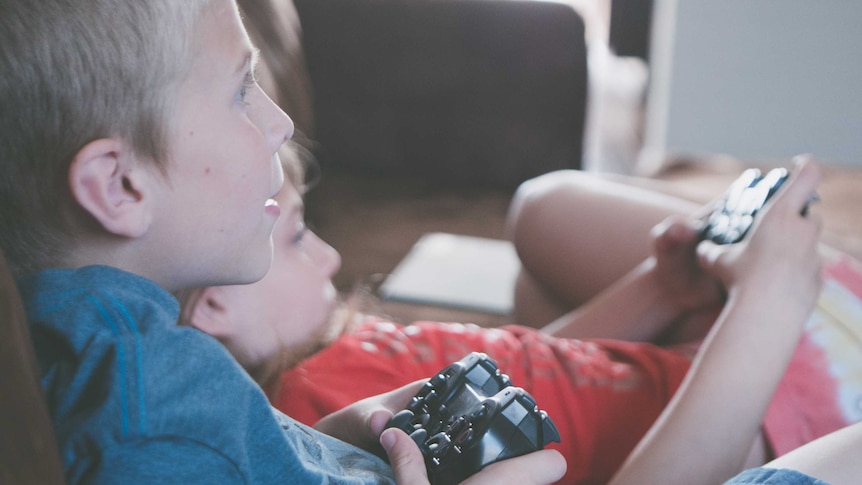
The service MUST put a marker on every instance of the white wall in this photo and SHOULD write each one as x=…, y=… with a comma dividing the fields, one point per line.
x=756, y=79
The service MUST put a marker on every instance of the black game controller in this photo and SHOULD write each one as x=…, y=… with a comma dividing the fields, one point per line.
x=470, y=415
x=734, y=214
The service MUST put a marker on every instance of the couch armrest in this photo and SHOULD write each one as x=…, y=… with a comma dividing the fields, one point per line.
x=468, y=92
x=28, y=447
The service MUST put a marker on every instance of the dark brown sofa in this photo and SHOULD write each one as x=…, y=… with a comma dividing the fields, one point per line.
x=462, y=92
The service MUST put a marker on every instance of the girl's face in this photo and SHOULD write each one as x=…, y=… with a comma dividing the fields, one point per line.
x=278, y=320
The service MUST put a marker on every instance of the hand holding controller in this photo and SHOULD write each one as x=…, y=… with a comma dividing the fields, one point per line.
x=734, y=214
x=470, y=415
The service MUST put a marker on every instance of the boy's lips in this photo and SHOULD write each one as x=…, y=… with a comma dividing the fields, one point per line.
x=271, y=205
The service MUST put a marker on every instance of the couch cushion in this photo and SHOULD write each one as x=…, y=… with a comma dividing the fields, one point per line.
x=477, y=92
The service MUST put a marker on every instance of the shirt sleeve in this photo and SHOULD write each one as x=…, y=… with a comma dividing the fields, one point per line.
x=165, y=461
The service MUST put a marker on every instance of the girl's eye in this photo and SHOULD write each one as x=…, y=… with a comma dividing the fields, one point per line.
x=300, y=233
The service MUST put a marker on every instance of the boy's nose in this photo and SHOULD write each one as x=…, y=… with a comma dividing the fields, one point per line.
x=274, y=122
x=282, y=128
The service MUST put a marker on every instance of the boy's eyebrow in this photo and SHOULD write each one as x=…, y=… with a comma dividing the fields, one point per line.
x=250, y=59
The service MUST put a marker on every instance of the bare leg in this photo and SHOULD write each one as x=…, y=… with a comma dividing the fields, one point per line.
x=832, y=458
x=576, y=233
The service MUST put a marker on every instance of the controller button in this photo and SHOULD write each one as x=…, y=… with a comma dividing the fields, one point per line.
x=431, y=398
x=422, y=420
x=515, y=412
x=464, y=436
x=420, y=436
x=403, y=420
x=439, y=445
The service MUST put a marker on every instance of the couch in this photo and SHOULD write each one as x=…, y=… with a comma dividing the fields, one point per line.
x=461, y=92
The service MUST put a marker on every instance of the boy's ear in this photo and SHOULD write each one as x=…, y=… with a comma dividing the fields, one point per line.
x=208, y=312
x=110, y=185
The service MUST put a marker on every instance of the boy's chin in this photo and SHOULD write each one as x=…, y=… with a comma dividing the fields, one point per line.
x=253, y=271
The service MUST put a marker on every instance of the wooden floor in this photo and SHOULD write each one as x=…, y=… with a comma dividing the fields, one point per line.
x=373, y=222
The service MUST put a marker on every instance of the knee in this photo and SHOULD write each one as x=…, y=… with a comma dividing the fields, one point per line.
x=538, y=196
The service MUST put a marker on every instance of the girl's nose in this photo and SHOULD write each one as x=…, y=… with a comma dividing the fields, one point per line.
x=325, y=256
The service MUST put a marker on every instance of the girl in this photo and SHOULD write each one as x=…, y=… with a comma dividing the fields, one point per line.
x=604, y=394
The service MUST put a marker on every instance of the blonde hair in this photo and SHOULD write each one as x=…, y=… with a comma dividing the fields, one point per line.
x=72, y=72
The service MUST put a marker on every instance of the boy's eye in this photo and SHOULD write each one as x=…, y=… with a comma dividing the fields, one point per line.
x=248, y=84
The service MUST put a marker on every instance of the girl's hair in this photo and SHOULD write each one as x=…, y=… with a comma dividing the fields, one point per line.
x=72, y=72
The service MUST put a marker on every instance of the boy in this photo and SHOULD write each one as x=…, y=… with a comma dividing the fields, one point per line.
x=139, y=158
